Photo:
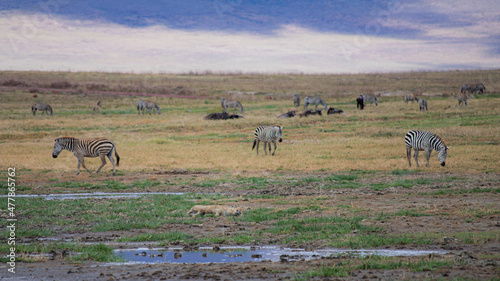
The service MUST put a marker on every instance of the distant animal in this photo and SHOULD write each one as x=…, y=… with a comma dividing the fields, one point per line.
x=231, y=103
x=221, y=116
x=267, y=135
x=473, y=88
x=426, y=141
x=479, y=88
x=310, y=112
x=147, y=105
x=462, y=98
x=360, y=102
x=410, y=97
x=97, y=108
x=313, y=100
x=43, y=107
x=332, y=110
x=214, y=209
x=296, y=100
x=289, y=114
x=423, y=105
x=81, y=148
x=371, y=99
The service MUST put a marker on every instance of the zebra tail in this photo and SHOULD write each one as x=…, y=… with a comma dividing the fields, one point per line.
x=117, y=158
x=254, y=143
x=50, y=108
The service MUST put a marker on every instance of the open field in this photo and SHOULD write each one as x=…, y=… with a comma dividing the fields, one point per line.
x=335, y=181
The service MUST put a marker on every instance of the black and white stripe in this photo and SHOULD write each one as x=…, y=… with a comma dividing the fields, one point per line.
x=313, y=100
x=149, y=105
x=225, y=103
x=423, y=105
x=422, y=140
x=43, y=107
x=101, y=147
x=371, y=99
x=267, y=135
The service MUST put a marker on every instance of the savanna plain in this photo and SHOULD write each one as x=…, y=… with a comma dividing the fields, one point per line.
x=336, y=181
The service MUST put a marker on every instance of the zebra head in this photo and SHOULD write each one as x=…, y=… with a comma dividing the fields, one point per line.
x=57, y=149
x=158, y=109
x=280, y=133
x=442, y=155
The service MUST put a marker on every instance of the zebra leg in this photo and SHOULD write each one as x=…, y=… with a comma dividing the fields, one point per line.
x=274, y=142
x=270, y=147
x=416, y=156
x=408, y=154
x=428, y=156
x=258, y=143
x=103, y=159
x=112, y=160
x=265, y=147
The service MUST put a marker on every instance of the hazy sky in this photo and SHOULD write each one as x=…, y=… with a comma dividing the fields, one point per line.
x=249, y=36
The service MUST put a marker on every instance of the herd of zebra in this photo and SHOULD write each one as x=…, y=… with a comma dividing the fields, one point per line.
x=103, y=147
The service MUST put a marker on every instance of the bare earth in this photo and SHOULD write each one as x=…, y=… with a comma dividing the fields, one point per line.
x=472, y=261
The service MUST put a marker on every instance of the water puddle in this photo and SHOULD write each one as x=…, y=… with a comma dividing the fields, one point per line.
x=249, y=254
x=97, y=195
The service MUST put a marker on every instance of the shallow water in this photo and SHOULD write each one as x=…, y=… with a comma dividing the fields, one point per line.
x=247, y=254
x=99, y=195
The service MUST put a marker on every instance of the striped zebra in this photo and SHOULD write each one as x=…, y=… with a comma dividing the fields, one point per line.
x=422, y=140
x=97, y=108
x=313, y=100
x=149, y=105
x=462, y=98
x=371, y=99
x=473, y=88
x=410, y=97
x=225, y=103
x=267, y=135
x=296, y=100
x=43, y=107
x=101, y=147
x=423, y=105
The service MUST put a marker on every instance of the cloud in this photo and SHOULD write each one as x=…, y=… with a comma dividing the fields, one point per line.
x=48, y=42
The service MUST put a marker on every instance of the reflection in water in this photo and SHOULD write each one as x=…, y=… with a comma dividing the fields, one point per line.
x=247, y=254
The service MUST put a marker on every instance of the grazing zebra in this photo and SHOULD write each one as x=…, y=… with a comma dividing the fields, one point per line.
x=296, y=100
x=360, y=102
x=465, y=88
x=371, y=99
x=479, y=88
x=231, y=103
x=410, y=97
x=101, y=147
x=423, y=105
x=149, y=105
x=313, y=100
x=267, y=135
x=43, y=107
x=97, y=108
x=473, y=88
x=421, y=140
x=462, y=98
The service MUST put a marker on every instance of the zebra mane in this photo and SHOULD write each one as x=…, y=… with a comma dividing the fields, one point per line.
x=441, y=139
x=66, y=138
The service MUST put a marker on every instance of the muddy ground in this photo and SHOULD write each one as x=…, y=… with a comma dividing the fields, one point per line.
x=472, y=261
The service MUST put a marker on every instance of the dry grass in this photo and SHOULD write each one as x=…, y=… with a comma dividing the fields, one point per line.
x=372, y=139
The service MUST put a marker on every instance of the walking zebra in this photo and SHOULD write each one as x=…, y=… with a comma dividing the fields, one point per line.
x=371, y=99
x=410, y=97
x=422, y=140
x=231, y=103
x=462, y=98
x=97, y=108
x=296, y=100
x=423, y=105
x=43, y=107
x=101, y=147
x=267, y=135
x=360, y=102
x=149, y=105
x=313, y=100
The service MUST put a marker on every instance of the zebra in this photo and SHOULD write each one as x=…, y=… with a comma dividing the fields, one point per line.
x=43, y=107
x=360, y=102
x=465, y=88
x=149, y=105
x=410, y=97
x=371, y=99
x=473, y=88
x=101, y=147
x=423, y=105
x=296, y=100
x=462, y=98
x=422, y=140
x=231, y=103
x=313, y=100
x=268, y=135
x=97, y=108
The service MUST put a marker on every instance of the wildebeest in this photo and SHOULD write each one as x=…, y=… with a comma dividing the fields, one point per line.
x=221, y=116
x=473, y=88
x=423, y=105
x=310, y=112
x=332, y=110
x=360, y=102
x=296, y=100
x=410, y=97
x=288, y=114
